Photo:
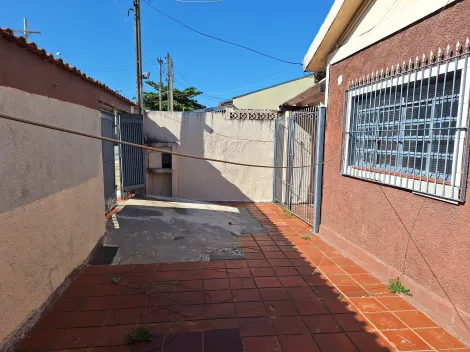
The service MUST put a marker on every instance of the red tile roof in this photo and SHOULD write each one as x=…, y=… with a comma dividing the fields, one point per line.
x=33, y=48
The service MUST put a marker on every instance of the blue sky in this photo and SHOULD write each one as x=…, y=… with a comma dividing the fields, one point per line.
x=96, y=37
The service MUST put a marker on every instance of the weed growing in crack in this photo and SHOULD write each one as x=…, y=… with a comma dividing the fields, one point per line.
x=287, y=212
x=395, y=286
x=305, y=237
x=139, y=335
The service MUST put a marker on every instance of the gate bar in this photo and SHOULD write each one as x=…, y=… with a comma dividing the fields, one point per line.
x=319, y=169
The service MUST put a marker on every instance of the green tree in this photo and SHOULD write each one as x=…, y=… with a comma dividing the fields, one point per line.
x=183, y=100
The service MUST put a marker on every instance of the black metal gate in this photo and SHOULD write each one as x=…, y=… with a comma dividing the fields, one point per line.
x=109, y=177
x=299, y=149
x=132, y=158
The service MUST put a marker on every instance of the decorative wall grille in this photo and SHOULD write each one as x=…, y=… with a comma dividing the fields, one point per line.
x=254, y=114
x=408, y=127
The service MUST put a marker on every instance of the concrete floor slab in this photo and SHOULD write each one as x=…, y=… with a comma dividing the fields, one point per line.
x=149, y=230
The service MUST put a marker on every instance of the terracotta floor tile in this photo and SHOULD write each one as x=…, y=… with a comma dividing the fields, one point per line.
x=370, y=342
x=289, y=325
x=255, y=256
x=194, y=285
x=378, y=290
x=285, y=271
x=294, y=255
x=321, y=324
x=189, y=297
x=214, y=265
x=267, y=282
x=405, y=340
x=239, y=273
x=288, y=249
x=242, y=283
x=189, y=312
x=280, y=262
x=415, y=319
x=216, y=284
x=227, y=340
x=338, y=306
x=190, y=275
x=187, y=342
x=159, y=276
x=78, y=338
x=256, y=327
x=124, y=316
x=331, y=270
x=439, y=338
x=220, y=296
x=342, y=280
x=395, y=303
x=298, y=343
x=215, y=274
x=293, y=281
x=353, y=322
x=365, y=279
x=353, y=291
x=307, y=271
x=280, y=308
x=262, y=272
x=221, y=311
x=113, y=335
x=95, y=270
x=264, y=344
x=310, y=306
x=300, y=262
x=258, y=264
x=156, y=315
x=334, y=342
x=234, y=264
x=250, y=309
x=353, y=269
x=230, y=323
x=385, y=321
x=275, y=255
x=265, y=249
x=70, y=304
x=40, y=340
x=68, y=320
x=273, y=294
x=342, y=260
x=301, y=293
x=316, y=280
x=326, y=291
x=368, y=305
x=246, y=295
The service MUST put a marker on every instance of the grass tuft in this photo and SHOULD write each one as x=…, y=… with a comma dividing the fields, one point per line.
x=395, y=286
x=139, y=335
x=287, y=212
x=305, y=237
x=341, y=296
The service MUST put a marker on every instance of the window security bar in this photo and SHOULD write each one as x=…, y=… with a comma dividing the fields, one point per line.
x=408, y=126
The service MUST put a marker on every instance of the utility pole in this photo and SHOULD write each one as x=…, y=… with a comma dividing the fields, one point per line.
x=170, y=82
x=138, y=55
x=160, y=85
x=25, y=30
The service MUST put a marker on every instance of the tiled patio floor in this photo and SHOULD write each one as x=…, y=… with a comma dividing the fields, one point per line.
x=290, y=294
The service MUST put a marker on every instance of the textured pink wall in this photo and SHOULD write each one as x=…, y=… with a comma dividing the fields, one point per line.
x=359, y=212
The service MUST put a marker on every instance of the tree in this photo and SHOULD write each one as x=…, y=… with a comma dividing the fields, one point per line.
x=183, y=100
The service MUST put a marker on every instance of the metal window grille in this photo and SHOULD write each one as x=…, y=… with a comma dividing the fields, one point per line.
x=408, y=127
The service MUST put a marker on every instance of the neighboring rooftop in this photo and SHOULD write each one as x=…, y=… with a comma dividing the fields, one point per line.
x=43, y=54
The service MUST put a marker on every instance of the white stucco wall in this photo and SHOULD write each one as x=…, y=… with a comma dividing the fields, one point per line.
x=52, y=203
x=214, y=135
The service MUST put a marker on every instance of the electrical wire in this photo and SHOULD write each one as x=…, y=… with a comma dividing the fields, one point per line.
x=219, y=39
x=106, y=139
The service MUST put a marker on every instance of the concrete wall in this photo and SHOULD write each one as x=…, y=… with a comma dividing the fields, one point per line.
x=51, y=183
x=271, y=98
x=357, y=216
x=214, y=135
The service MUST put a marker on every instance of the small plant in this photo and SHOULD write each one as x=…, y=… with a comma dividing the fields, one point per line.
x=395, y=286
x=139, y=335
x=305, y=237
x=287, y=212
x=341, y=296
x=115, y=280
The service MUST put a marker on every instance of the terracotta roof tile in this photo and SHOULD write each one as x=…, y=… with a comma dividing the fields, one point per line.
x=33, y=48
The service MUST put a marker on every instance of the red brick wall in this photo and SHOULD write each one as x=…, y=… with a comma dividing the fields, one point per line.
x=439, y=257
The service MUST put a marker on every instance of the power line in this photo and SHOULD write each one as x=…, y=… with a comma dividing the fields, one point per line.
x=220, y=39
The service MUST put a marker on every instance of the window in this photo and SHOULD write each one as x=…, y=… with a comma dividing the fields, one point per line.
x=166, y=161
x=408, y=129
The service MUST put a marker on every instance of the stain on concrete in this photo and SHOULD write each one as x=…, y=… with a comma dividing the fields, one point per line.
x=152, y=230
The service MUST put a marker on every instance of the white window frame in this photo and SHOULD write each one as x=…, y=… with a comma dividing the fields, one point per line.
x=429, y=188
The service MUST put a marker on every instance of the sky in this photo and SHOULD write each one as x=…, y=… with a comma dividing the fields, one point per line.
x=97, y=37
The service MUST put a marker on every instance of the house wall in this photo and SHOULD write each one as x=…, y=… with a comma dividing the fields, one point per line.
x=214, y=135
x=271, y=98
x=357, y=216
x=51, y=184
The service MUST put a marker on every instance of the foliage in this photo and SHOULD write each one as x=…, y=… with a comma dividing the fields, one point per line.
x=305, y=237
x=287, y=212
x=395, y=286
x=139, y=335
x=183, y=100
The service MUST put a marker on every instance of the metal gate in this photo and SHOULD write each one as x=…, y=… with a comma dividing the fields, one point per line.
x=299, y=140
x=132, y=158
x=107, y=130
